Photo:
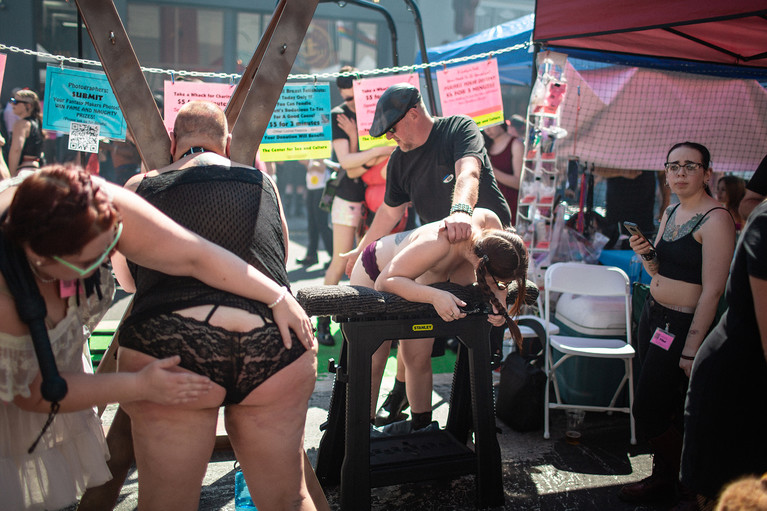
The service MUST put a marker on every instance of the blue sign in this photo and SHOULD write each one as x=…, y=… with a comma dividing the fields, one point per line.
x=77, y=95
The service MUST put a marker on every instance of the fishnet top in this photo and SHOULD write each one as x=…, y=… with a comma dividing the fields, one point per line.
x=234, y=207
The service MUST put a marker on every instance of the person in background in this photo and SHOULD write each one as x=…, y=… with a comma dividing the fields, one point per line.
x=725, y=417
x=346, y=211
x=26, y=149
x=263, y=375
x=756, y=190
x=730, y=190
x=689, y=267
x=4, y=172
x=406, y=263
x=316, y=218
x=506, y=152
x=7, y=120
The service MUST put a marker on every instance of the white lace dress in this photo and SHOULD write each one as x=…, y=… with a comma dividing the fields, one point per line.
x=72, y=454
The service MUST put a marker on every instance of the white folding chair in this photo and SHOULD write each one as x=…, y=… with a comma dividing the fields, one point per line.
x=589, y=280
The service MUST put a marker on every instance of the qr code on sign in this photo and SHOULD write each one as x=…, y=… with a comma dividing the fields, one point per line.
x=84, y=137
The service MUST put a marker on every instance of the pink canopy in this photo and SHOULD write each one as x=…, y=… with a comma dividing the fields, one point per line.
x=720, y=31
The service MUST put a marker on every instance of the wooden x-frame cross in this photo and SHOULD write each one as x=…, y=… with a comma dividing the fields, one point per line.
x=251, y=104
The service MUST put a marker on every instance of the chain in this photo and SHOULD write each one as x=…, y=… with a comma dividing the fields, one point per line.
x=233, y=76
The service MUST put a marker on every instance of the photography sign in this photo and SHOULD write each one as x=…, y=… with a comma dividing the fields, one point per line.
x=76, y=95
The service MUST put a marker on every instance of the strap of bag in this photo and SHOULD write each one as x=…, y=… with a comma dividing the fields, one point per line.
x=32, y=311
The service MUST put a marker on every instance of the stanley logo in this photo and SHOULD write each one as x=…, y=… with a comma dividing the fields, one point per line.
x=421, y=328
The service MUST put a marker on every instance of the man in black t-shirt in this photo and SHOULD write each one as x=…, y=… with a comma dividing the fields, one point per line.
x=440, y=164
x=756, y=190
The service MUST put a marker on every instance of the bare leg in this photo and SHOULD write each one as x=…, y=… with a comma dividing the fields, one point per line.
x=416, y=355
x=267, y=433
x=343, y=241
x=378, y=366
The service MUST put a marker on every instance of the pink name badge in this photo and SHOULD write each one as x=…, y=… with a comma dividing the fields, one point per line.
x=67, y=288
x=662, y=339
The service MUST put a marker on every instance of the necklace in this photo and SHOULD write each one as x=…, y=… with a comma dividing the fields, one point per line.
x=38, y=276
x=193, y=150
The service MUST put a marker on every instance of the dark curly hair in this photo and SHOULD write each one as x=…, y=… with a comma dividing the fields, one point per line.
x=58, y=210
x=503, y=255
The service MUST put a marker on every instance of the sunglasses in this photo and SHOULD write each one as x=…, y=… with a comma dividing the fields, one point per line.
x=348, y=99
x=15, y=101
x=95, y=264
x=503, y=286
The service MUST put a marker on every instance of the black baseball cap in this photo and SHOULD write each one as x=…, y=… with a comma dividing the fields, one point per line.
x=392, y=107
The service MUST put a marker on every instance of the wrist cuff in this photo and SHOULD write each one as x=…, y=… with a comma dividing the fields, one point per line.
x=461, y=208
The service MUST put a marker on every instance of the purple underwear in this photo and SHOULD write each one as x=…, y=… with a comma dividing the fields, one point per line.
x=369, y=261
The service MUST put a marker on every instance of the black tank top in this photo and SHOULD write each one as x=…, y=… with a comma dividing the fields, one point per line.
x=33, y=145
x=682, y=259
x=235, y=208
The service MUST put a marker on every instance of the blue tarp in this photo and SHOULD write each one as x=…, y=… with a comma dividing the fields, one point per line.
x=514, y=67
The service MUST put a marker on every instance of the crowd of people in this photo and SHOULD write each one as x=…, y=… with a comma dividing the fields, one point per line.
x=214, y=322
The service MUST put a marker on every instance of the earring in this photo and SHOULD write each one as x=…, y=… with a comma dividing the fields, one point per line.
x=38, y=263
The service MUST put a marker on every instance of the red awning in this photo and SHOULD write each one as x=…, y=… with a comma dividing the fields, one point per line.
x=727, y=32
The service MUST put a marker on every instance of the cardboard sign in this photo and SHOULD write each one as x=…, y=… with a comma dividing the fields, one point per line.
x=3, y=57
x=299, y=128
x=177, y=94
x=473, y=90
x=366, y=94
x=77, y=95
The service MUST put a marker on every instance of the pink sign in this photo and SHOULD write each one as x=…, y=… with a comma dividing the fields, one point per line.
x=366, y=94
x=179, y=93
x=473, y=90
x=3, y=56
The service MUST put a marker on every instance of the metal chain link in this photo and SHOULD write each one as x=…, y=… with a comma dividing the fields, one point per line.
x=232, y=77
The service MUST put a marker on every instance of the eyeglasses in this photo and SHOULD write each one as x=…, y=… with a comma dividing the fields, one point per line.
x=393, y=129
x=691, y=167
x=503, y=286
x=95, y=264
x=15, y=101
x=348, y=99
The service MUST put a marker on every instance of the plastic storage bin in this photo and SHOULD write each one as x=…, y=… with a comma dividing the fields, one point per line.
x=583, y=380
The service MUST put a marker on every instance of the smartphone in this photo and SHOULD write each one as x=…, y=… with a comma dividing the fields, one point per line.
x=634, y=229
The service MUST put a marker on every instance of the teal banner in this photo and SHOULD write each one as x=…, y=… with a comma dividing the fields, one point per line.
x=76, y=95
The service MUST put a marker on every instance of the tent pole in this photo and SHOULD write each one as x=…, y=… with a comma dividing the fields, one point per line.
x=412, y=7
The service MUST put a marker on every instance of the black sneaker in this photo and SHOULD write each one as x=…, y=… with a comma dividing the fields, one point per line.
x=323, y=332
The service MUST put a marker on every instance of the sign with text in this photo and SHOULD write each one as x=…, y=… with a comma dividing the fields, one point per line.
x=473, y=90
x=177, y=94
x=366, y=94
x=2, y=69
x=299, y=128
x=77, y=95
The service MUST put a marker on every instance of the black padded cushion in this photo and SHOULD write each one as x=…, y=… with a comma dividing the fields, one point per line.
x=349, y=301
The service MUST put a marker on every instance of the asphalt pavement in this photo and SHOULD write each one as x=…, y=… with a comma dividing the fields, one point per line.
x=538, y=474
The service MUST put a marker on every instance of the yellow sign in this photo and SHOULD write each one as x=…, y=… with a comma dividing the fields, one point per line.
x=421, y=328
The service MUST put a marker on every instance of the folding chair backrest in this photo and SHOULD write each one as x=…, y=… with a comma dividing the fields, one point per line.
x=586, y=279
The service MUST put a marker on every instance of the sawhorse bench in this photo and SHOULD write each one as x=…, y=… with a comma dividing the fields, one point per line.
x=347, y=453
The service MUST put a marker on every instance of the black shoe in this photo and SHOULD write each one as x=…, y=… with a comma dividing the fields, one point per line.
x=323, y=332
x=391, y=409
x=308, y=261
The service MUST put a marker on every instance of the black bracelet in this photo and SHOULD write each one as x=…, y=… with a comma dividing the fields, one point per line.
x=461, y=208
x=687, y=357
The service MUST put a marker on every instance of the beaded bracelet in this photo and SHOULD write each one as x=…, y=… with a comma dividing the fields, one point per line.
x=687, y=357
x=279, y=298
x=461, y=208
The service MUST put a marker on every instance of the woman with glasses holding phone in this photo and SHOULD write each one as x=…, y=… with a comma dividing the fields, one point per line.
x=68, y=223
x=26, y=149
x=406, y=263
x=694, y=248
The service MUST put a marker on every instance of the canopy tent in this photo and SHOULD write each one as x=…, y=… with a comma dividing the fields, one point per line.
x=514, y=67
x=716, y=31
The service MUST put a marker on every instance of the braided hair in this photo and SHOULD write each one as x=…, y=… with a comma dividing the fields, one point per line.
x=58, y=210
x=503, y=255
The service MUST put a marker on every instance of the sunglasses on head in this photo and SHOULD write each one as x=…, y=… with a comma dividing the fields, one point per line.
x=95, y=264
